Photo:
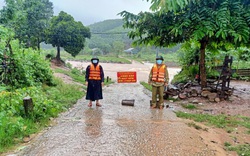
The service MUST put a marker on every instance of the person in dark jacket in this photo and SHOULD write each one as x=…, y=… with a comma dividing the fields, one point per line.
x=94, y=81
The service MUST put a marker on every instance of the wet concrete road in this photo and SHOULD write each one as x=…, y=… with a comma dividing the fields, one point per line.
x=117, y=130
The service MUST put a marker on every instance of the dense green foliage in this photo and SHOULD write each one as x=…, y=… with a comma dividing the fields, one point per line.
x=188, y=57
x=218, y=26
x=215, y=25
x=65, y=32
x=105, y=33
x=31, y=69
x=26, y=73
x=110, y=38
x=22, y=67
x=29, y=20
x=240, y=149
x=48, y=102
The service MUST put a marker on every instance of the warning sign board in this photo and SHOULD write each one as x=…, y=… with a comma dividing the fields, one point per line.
x=126, y=77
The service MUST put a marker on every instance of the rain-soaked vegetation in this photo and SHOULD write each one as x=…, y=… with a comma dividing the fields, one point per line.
x=198, y=41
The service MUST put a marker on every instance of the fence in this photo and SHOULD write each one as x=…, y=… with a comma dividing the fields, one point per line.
x=241, y=72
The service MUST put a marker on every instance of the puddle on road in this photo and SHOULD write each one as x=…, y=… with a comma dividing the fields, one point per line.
x=118, y=130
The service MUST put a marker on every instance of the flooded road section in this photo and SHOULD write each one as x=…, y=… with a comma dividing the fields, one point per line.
x=110, y=69
x=117, y=130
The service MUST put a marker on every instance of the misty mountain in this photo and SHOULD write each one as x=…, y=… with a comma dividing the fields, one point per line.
x=108, y=36
x=106, y=26
x=104, y=34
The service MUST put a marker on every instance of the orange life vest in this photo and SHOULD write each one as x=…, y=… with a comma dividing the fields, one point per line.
x=158, y=74
x=95, y=72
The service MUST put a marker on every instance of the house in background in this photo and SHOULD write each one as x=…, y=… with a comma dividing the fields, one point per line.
x=131, y=51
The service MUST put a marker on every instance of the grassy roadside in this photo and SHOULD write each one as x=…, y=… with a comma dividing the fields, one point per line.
x=49, y=102
x=228, y=123
x=78, y=76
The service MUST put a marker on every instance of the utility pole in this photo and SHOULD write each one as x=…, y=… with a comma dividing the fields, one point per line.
x=157, y=51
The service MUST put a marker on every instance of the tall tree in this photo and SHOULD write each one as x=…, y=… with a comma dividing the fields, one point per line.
x=28, y=18
x=38, y=13
x=213, y=23
x=11, y=15
x=65, y=32
x=9, y=12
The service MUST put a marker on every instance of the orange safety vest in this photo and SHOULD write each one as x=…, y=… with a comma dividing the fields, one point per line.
x=158, y=74
x=94, y=72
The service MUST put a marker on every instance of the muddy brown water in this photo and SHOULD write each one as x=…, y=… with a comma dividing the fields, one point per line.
x=117, y=130
x=111, y=69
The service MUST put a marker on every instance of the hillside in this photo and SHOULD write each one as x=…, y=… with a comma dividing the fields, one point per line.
x=109, y=37
x=106, y=26
x=104, y=34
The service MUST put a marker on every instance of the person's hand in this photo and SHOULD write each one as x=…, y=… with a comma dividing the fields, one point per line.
x=102, y=83
x=166, y=84
x=86, y=83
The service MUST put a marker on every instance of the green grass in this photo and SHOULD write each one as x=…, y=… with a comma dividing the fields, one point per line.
x=241, y=65
x=76, y=76
x=65, y=94
x=146, y=85
x=48, y=103
x=189, y=106
x=79, y=76
x=222, y=121
x=242, y=150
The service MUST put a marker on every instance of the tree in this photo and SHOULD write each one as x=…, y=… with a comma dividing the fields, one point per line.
x=11, y=14
x=38, y=13
x=6, y=36
x=215, y=24
x=28, y=18
x=11, y=17
x=65, y=32
x=22, y=67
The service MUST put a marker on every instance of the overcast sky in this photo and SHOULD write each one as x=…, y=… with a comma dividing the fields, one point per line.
x=92, y=11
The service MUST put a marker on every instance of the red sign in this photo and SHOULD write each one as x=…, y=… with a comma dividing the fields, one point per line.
x=126, y=77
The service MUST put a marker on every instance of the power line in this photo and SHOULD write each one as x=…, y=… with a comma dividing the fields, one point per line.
x=109, y=33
